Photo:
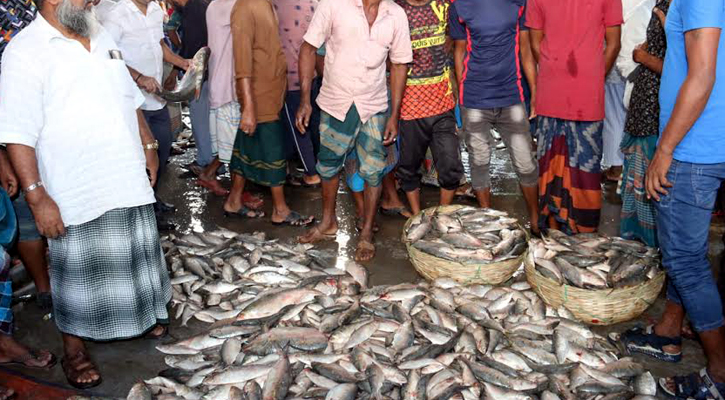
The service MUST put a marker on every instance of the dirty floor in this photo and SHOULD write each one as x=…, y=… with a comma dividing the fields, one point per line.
x=123, y=363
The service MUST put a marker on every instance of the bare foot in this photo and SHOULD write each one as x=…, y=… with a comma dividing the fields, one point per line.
x=365, y=251
x=13, y=351
x=312, y=180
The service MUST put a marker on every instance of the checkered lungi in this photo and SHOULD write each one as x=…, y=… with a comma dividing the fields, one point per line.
x=108, y=276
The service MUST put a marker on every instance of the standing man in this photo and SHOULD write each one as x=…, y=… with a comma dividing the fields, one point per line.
x=489, y=40
x=575, y=44
x=195, y=36
x=260, y=73
x=137, y=27
x=683, y=178
x=84, y=155
x=427, y=117
x=294, y=19
x=354, y=99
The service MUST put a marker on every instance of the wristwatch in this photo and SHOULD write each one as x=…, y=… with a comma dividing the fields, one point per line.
x=151, y=146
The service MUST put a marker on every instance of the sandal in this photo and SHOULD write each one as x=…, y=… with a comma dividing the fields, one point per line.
x=154, y=336
x=696, y=386
x=78, y=365
x=251, y=201
x=394, y=212
x=645, y=341
x=365, y=251
x=32, y=355
x=295, y=219
x=214, y=186
x=315, y=235
x=244, y=212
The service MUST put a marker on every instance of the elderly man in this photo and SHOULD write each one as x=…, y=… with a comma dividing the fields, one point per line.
x=137, y=27
x=354, y=99
x=260, y=75
x=683, y=179
x=84, y=155
x=575, y=47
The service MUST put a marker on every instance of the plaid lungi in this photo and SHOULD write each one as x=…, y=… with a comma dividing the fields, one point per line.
x=108, y=276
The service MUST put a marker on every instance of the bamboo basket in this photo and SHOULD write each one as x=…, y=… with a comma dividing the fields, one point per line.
x=432, y=267
x=596, y=307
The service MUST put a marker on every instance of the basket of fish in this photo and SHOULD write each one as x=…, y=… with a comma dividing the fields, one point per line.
x=600, y=280
x=468, y=244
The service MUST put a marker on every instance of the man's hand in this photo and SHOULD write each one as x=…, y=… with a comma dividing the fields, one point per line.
x=186, y=65
x=46, y=213
x=661, y=15
x=640, y=53
x=248, y=124
x=302, y=119
x=656, y=178
x=391, y=131
x=8, y=178
x=170, y=82
x=148, y=84
x=152, y=165
x=532, y=112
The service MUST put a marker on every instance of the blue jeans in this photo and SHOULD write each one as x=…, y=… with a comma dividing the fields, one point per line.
x=200, y=128
x=683, y=225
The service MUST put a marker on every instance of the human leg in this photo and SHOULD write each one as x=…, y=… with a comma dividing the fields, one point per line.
x=31, y=246
x=199, y=114
x=414, y=139
x=638, y=212
x=219, y=128
x=613, y=129
x=446, y=150
x=302, y=142
x=513, y=124
x=477, y=135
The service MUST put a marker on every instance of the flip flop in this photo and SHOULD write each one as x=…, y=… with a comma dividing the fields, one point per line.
x=32, y=355
x=645, y=341
x=393, y=212
x=213, y=186
x=295, y=219
x=244, y=212
x=695, y=386
x=317, y=236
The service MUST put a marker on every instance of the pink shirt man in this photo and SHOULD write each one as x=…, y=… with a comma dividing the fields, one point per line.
x=294, y=18
x=571, y=65
x=221, y=62
x=356, y=54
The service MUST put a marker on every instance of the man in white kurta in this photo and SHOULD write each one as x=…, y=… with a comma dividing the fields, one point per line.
x=86, y=160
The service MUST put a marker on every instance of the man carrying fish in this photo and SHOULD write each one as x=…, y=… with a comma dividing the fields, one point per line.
x=137, y=27
x=683, y=179
x=84, y=155
x=359, y=36
x=260, y=75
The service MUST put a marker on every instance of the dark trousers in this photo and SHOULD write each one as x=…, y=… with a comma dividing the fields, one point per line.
x=438, y=132
x=308, y=145
x=160, y=124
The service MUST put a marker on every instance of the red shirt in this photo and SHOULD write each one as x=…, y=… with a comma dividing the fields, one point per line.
x=571, y=65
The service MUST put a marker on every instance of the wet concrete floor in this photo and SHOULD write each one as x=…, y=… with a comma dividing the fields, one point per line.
x=124, y=363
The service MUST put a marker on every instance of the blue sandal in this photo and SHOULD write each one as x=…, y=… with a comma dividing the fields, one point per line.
x=645, y=341
x=696, y=386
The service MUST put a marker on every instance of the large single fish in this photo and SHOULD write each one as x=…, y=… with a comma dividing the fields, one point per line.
x=189, y=87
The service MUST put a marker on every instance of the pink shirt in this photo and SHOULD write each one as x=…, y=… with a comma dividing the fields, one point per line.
x=356, y=54
x=294, y=18
x=221, y=62
x=571, y=65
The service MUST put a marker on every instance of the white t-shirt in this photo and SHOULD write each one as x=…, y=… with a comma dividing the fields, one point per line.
x=78, y=110
x=139, y=38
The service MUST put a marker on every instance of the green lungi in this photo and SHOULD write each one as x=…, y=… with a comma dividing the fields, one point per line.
x=260, y=158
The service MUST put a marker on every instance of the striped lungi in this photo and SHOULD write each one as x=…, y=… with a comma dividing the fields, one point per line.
x=108, y=276
x=570, y=191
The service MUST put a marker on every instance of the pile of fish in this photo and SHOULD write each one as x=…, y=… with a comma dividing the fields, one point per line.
x=467, y=235
x=593, y=261
x=288, y=324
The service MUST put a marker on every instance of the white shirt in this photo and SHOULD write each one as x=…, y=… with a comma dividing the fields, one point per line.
x=78, y=110
x=636, y=15
x=139, y=38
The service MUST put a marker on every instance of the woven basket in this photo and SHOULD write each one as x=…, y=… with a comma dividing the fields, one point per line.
x=596, y=307
x=432, y=267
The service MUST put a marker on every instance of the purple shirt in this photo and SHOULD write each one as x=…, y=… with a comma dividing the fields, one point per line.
x=294, y=18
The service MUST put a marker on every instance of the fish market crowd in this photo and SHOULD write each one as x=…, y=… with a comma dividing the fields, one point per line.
x=389, y=94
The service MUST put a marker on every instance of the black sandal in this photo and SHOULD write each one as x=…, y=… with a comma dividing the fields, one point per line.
x=76, y=366
x=244, y=212
x=696, y=386
x=645, y=341
x=295, y=219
